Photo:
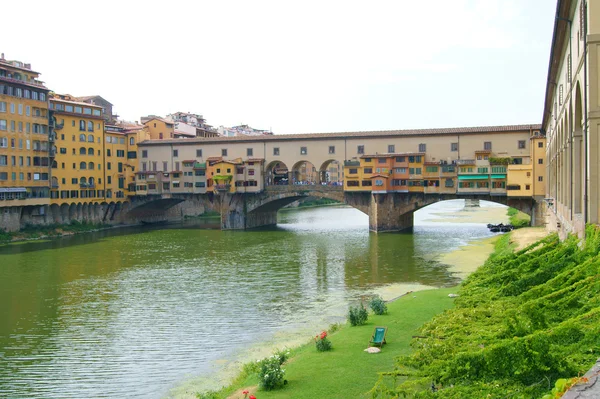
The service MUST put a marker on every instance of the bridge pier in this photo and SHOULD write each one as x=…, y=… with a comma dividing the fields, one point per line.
x=392, y=212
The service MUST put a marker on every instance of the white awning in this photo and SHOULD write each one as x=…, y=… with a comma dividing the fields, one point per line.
x=13, y=190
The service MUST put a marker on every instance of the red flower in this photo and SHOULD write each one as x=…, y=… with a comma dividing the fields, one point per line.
x=252, y=397
x=323, y=334
x=245, y=392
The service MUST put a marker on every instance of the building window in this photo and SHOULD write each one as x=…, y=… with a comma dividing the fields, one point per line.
x=453, y=146
x=541, y=161
x=521, y=144
x=366, y=170
x=540, y=144
x=165, y=166
x=175, y=153
x=527, y=187
x=332, y=149
x=303, y=151
x=199, y=153
x=276, y=151
x=540, y=178
x=422, y=148
x=224, y=152
x=249, y=152
x=144, y=153
x=391, y=148
x=487, y=145
x=360, y=149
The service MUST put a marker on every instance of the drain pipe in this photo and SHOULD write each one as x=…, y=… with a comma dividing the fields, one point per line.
x=585, y=118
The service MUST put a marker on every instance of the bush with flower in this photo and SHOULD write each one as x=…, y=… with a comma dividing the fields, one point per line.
x=270, y=374
x=322, y=342
x=246, y=392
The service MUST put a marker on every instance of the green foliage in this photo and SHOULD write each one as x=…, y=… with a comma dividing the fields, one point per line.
x=208, y=395
x=322, y=342
x=316, y=202
x=499, y=160
x=523, y=320
x=517, y=218
x=270, y=374
x=377, y=305
x=4, y=236
x=282, y=355
x=357, y=315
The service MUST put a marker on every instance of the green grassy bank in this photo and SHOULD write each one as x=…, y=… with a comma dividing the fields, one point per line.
x=347, y=371
x=517, y=218
x=523, y=322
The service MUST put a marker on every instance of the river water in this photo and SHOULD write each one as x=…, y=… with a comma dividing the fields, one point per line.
x=157, y=312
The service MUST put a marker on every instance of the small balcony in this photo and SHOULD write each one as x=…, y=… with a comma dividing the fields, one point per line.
x=52, y=153
x=465, y=162
x=352, y=163
x=54, y=185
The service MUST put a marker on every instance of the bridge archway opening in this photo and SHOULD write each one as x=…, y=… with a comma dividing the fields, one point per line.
x=304, y=173
x=482, y=211
x=330, y=173
x=277, y=174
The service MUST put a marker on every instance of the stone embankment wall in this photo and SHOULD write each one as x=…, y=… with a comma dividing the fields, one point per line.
x=18, y=217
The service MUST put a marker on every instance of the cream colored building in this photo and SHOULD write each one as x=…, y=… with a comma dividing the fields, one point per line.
x=571, y=119
x=294, y=152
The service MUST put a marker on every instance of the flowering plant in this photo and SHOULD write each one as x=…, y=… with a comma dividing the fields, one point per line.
x=246, y=392
x=322, y=342
x=271, y=374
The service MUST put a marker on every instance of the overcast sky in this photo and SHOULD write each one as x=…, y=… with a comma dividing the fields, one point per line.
x=303, y=66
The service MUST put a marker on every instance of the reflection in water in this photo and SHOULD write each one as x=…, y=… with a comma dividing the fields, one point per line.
x=132, y=313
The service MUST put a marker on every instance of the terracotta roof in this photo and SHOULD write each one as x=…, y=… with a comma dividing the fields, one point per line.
x=379, y=175
x=255, y=160
x=343, y=135
x=189, y=160
x=210, y=158
x=483, y=151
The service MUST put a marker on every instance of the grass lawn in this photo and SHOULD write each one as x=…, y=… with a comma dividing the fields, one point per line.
x=347, y=371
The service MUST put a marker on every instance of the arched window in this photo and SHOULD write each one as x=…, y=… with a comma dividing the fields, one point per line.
x=54, y=164
x=82, y=180
x=82, y=151
x=90, y=151
x=82, y=137
x=91, y=165
x=90, y=138
x=131, y=141
x=82, y=165
x=90, y=126
x=82, y=125
x=91, y=181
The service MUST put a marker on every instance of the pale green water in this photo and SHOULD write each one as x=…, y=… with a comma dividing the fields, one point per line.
x=137, y=312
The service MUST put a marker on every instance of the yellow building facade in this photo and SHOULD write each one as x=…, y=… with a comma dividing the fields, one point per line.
x=25, y=136
x=78, y=171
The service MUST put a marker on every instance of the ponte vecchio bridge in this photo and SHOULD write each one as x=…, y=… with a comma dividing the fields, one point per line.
x=247, y=179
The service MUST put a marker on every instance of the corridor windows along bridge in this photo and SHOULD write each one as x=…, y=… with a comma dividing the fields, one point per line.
x=387, y=175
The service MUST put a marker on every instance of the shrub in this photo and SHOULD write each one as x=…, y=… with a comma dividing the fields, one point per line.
x=207, y=395
x=282, y=355
x=378, y=305
x=271, y=374
x=357, y=316
x=322, y=342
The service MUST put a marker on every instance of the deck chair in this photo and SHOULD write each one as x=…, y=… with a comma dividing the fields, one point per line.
x=378, y=337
